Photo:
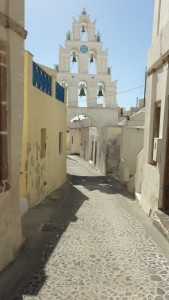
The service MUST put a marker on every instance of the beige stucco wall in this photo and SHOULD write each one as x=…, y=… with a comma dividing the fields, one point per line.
x=157, y=90
x=79, y=131
x=113, y=142
x=150, y=188
x=152, y=191
x=10, y=220
x=130, y=167
x=160, y=41
x=108, y=148
x=139, y=172
x=74, y=141
x=40, y=176
x=78, y=142
x=131, y=145
x=161, y=15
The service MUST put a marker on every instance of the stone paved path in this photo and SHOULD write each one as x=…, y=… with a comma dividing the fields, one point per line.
x=98, y=251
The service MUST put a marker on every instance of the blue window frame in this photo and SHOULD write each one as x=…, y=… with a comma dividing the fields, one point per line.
x=59, y=92
x=41, y=79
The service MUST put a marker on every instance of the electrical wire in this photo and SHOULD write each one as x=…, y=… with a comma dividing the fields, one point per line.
x=90, y=99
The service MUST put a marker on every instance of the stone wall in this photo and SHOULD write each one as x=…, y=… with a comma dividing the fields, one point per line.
x=12, y=36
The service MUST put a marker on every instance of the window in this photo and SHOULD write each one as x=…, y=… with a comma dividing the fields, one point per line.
x=43, y=142
x=60, y=142
x=156, y=128
x=59, y=92
x=41, y=79
x=157, y=119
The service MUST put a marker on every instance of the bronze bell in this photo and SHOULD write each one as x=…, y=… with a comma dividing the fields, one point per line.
x=82, y=92
x=74, y=59
x=91, y=60
x=83, y=29
x=100, y=93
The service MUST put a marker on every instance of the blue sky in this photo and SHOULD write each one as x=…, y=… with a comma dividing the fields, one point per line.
x=125, y=26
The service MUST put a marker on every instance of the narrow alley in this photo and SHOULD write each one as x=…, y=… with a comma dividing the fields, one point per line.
x=88, y=240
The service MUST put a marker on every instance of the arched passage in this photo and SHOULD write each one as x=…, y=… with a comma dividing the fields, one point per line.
x=82, y=135
x=100, y=118
x=97, y=134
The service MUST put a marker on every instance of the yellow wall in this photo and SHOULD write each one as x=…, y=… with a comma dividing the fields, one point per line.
x=40, y=176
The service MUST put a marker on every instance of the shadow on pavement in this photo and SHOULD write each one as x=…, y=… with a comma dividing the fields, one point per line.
x=104, y=184
x=43, y=227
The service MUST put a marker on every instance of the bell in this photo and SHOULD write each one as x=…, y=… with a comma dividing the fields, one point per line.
x=91, y=60
x=82, y=92
x=100, y=93
x=83, y=29
x=74, y=59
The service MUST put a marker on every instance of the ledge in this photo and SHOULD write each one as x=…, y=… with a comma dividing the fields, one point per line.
x=161, y=221
x=8, y=22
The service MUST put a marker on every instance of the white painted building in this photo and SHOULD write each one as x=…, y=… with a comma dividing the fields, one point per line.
x=131, y=145
x=78, y=140
x=155, y=179
x=83, y=141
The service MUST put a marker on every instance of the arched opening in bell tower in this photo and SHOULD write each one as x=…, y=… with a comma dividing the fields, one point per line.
x=82, y=94
x=83, y=33
x=74, y=62
x=92, y=62
x=101, y=94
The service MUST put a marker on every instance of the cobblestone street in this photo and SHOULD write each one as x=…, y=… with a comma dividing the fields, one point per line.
x=98, y=249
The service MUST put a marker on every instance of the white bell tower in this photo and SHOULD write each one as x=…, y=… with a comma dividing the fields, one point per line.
x=83, y=69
